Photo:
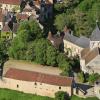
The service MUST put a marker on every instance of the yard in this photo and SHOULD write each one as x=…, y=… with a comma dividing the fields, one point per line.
x=6, y=94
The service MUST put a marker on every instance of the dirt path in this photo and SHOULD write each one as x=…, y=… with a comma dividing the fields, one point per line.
x=31, y=67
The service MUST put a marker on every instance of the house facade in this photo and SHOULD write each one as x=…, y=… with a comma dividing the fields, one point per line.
x=36, y=83
x=74, y=45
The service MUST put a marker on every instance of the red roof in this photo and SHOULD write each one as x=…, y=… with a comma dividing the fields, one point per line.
x=22, y=16
x=38, y=77
x=13, y=2
x=1, y=16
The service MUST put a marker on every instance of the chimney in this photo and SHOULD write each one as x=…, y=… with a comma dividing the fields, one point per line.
x=49, y=35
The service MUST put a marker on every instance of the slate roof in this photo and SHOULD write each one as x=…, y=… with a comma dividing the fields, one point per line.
x=95, y=36
x=38, y=77
x=82, y=41
x=70, y=37
x=1, y=15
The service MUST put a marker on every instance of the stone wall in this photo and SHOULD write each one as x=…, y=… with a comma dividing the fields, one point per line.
x=33, y=87
x=76, y=50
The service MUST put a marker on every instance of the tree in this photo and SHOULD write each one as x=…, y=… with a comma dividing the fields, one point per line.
x=17, y=49
x=63, y=20
x=51, y=54
x=40, y=51
x=35, y=29
x=63, y=64
x=22, y=5
x=60, y=95
x=3, y=55
x=24, y=25
x=30, y=54
x=3, y=52
x=81, y=77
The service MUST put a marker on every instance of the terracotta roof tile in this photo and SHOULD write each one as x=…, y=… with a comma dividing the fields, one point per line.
x=38, y=77
x=6, y=28
x=84, y=52
x=22, y=16
x=13, y=2
x=1, y=15
x=91, y=55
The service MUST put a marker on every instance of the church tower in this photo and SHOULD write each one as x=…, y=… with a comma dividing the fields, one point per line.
x=95, y=37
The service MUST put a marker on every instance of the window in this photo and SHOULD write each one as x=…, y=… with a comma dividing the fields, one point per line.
x=59, y=88
x=17, y=86
x=35, y=83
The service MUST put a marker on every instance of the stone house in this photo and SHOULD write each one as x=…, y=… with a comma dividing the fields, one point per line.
x=90, y=57
x=74, y=45
x=36, y=82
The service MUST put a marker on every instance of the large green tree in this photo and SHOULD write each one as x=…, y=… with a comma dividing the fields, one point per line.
x=40, y=51
x=3, y=51
x=51, y=54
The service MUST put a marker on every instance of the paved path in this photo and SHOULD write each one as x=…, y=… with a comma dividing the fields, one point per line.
x=31, y=67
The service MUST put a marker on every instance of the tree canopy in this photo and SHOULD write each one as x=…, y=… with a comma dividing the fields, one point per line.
x=79, y=15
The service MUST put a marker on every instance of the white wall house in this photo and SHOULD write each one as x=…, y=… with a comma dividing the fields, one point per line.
x=75, y=44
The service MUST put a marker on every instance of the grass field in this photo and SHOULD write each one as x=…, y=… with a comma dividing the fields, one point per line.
x=6, y=94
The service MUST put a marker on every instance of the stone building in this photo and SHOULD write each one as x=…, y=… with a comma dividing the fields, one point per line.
x=90, y=57
x=74, y=45
x=36, y=83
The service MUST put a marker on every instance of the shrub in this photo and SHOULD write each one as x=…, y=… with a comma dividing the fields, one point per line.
x=60, y=95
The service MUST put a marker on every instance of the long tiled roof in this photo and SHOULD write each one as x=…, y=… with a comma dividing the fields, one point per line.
x=13, y=2
x=6, y=28
x=70, y=37
x=38, y=77
x=90, y=55
x=82, y=41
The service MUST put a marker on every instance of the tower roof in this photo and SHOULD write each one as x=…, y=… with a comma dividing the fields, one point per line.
x=95, y=36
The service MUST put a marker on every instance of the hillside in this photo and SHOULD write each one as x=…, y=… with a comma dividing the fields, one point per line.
x=79, y=15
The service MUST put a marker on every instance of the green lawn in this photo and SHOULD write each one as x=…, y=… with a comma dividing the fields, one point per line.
x=6, y=94
x=78, y=98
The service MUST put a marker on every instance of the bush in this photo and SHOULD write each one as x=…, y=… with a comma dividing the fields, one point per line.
x=93, y=77
x=60, y=95
x=81, y=77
